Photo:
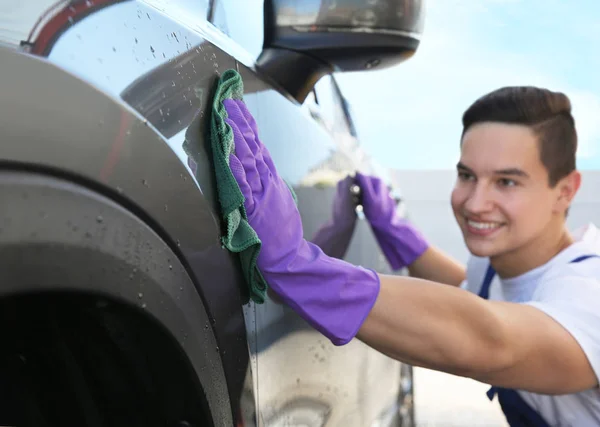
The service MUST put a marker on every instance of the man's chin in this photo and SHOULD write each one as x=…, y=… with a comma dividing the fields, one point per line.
x=482, y=249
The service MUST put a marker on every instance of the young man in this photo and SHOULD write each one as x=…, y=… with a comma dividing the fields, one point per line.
x=516, y=180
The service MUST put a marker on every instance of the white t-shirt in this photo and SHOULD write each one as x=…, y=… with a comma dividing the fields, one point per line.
x=569, y=293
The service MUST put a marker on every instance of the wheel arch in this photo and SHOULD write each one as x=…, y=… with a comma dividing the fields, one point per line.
x=59, y=236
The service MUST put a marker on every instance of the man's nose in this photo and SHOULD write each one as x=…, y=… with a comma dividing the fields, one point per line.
x=479, y=200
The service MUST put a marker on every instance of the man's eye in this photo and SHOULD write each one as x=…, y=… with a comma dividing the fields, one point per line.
x=505, y=182
x=465, y=176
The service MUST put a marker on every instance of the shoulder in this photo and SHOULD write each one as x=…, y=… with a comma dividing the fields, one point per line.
x=578, y=271
x=569, y=288
x=578, y=264
x=571, y=296
x=572, y=283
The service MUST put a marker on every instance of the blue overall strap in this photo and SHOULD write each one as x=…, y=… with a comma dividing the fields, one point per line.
x=518, y=413
x=484, y=292
x=584, y=257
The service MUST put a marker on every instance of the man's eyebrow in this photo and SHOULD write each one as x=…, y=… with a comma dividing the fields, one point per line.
x=512, y=171
x=462, y=166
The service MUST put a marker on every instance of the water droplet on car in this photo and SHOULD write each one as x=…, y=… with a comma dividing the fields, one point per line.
x=140, y=295
x=99, y=219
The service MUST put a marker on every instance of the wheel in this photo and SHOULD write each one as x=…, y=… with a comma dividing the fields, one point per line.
x=81, y=360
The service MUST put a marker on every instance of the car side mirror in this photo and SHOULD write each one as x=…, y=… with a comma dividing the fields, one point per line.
x=307, y=39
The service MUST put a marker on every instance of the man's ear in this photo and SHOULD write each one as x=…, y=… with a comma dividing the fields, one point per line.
x=567, y=189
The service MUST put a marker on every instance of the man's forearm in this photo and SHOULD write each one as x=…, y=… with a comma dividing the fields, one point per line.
x=436, y=266
x=433, y=325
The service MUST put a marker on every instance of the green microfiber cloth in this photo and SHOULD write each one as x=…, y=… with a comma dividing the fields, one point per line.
x=239, y=237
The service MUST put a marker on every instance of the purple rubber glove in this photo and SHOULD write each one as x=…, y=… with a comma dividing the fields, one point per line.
x=333, y=296
x=335, y=235
x=399, y=241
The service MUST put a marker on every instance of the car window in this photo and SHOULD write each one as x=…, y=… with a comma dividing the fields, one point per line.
x=331, y=106
x=242, y=21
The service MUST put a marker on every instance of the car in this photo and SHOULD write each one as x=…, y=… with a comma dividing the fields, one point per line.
x=119, y=304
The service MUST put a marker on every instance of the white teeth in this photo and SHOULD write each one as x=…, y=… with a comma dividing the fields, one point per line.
x=483, y=225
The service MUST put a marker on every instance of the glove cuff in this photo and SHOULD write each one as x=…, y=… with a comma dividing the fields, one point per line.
x=333, y=296
x=400, y=242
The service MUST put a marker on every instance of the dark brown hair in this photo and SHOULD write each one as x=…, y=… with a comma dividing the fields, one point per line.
x=547, y=113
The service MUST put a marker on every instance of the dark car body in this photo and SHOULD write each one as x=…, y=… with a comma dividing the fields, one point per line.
x=119, y=304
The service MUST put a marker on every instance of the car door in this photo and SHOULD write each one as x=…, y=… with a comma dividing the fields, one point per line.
x=300, y=378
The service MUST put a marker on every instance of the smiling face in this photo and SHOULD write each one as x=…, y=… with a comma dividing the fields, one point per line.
x=502, y=199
